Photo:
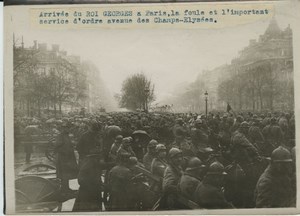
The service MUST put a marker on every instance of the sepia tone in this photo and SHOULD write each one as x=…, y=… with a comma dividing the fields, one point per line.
x=154, y=120
x=38, y=2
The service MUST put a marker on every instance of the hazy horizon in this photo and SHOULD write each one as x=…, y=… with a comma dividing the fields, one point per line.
x=168, y=57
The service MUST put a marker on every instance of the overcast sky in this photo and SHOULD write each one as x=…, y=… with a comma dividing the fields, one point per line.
x=168, y=57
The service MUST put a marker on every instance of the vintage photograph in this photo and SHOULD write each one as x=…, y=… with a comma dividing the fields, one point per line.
x=153, y=119
x=45, y=2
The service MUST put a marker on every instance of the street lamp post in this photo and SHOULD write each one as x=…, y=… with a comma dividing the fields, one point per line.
x=146, y=98
x=206, y=99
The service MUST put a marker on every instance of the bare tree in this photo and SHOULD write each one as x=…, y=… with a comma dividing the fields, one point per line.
x=137, y=92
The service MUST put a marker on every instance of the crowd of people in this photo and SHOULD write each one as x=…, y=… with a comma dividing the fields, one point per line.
x=131, y=161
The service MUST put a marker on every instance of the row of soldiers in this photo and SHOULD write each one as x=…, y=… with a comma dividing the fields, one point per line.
x=227, y=154
x=180, y=174
x=192, y=180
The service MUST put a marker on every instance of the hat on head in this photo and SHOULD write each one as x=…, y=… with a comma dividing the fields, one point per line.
x=119, y=137
x=174, y=152
x=194, y=163
x=216, y=168
x=160, y=147
x=245, y=125
x=281, y=154
x=152, y=144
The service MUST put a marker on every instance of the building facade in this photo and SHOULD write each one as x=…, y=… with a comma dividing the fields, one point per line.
x=49, y=81
x=259, y=78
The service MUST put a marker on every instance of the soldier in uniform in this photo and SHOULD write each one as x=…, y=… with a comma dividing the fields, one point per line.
x=171, y=179
x=66, y=166
x=224, y=124
x=149, y=156
x=121, y=188
x=283, y=123
x=159, y=163
x=209, y=194
x=89, y=179
x=191, y=178
x=247, y=156
x=28, y=145
x=158, y=167
x=180, y=133
x=242, y=149
x=110, y=133
x=256, y=137
x=115, y=147
x=179, y=129
x=267, y=120
x=237, y=123
x=89, y=140
x=273, y=133
x=224, y=133
x=199, y=137
x=273, y=189
x=126, y=147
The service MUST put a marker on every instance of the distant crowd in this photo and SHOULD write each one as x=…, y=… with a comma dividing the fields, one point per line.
x=166, y=161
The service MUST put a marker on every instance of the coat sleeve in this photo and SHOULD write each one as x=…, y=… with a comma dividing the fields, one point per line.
x=59, y=143
x=259, y=135
x=80, y=145
x=84, y=175
x=169, y=182
x=264, y=194
x=245, y=143
x=113, y=152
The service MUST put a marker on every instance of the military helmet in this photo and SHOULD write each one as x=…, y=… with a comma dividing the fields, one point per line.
x=152, y=144
x=239, y=118
x=244, y=124
x=198, y=121
x=160, y=147
x=126, y=140
x=216, y=168
x=133, y=160
x=119, y=137
x=194, y=163
x=273, y=120
x=174, y=152
x=281, y=154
